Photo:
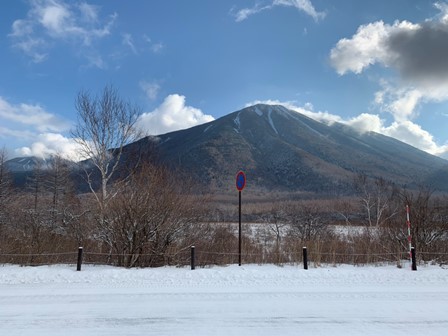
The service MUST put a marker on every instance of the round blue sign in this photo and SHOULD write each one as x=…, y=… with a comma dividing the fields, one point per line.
x=240, y=181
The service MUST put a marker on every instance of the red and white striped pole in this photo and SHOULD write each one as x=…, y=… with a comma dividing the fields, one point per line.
x=408, y=222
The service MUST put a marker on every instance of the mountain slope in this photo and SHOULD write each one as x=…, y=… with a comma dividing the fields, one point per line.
x=282, y=149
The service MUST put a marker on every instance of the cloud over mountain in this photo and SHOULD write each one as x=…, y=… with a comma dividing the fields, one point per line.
x=173, y=114
x=48, y=144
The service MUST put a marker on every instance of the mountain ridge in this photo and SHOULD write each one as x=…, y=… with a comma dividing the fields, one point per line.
x=283, y=149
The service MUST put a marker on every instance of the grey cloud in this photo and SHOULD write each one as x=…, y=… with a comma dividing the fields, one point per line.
x=421, y=54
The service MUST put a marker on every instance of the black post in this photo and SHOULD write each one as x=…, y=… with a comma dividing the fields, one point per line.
x=192, y=260
x=305, y=258
x=239, y=229
x=78, y=266
x=414, y=262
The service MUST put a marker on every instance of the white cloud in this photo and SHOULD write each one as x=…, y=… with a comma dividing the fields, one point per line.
x=244, y=13
x=414, y=135
x=151, y=89
x=21, y=28
x=95, y=60
x=401, y=102
x=366, y=122
x=302, y=5
x=55, y=17
x=32, y=115
x=172, y=115
x=44, y=130
x=89, y=13
x=48, y=144
x=33, y=48
x=325, y=117
x=6, y=132
x=128, y=41
x=309, y=106
x=362, y=50
x=32, y=124
x=157, y=47
x=50, y=21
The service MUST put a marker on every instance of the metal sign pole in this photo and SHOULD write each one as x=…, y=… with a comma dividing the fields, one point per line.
x=240, y=184
x=239, y=230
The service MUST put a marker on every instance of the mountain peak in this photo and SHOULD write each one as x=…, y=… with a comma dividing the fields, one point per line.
x=282, y=149
x=264, y=109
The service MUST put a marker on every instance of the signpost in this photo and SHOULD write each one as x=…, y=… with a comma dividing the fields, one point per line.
x=240, y=184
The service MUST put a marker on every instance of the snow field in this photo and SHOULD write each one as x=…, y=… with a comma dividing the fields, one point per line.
x=248, y=300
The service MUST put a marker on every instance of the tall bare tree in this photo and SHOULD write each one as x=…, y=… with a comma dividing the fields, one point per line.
x=5, y=185
x=106, y=123
x=58, y=184
x=35, y=184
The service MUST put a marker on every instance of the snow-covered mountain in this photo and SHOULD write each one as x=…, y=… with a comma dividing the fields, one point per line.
x=282, y=149
x=26, y=164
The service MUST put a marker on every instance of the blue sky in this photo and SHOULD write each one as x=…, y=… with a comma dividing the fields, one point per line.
x=378, y=65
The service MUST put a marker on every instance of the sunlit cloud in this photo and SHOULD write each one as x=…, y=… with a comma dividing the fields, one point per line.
x=51, y=144
x=172, y=115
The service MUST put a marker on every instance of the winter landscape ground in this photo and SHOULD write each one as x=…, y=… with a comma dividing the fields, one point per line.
x=246, y=300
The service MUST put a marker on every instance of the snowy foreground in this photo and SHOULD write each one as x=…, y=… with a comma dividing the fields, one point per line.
x=246, y=300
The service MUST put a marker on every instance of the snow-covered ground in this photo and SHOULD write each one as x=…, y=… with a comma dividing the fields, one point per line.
x=246, y=300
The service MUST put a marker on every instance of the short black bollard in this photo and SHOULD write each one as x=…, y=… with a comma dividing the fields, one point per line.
x=414, y=261
x=78, y=266
x=305, y=258
x=192, y=261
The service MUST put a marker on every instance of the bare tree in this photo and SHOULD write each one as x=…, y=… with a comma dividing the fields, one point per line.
x=308, y=223
x=428, y=219
x=106, y=123
x=35, y=184
x=152, y=214
x=277, y=220
x=58, y=184
x=5, y=187
x=375, y=197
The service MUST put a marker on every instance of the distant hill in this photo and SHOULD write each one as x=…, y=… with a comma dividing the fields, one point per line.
x=26, y=164
x=282, y=150
x=22, y=167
